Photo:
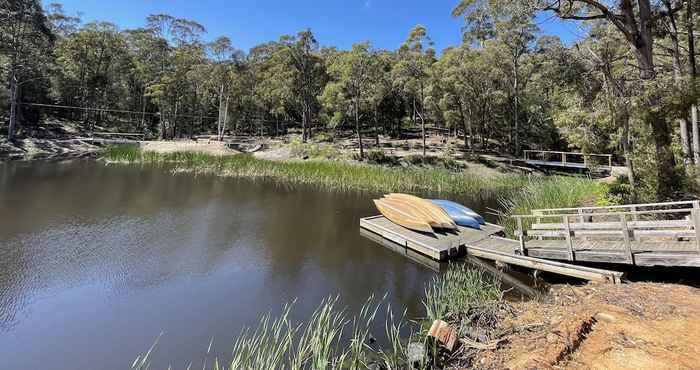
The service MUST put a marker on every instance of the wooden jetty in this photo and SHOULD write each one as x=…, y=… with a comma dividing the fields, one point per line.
x=568, y=159
x=652, y=234
x=479, y=243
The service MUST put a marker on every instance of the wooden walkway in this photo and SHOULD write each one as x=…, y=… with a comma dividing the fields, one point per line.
x=653, y=234
x=568, y=159
x=479, y=243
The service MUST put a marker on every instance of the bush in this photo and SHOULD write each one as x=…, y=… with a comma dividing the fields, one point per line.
x=379, y=157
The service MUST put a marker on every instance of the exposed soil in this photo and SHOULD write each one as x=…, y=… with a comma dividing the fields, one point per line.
x=32, y=148
x=631, y=326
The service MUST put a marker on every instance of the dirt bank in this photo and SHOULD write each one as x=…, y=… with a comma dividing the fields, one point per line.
x=631, y=326
x=32, y=148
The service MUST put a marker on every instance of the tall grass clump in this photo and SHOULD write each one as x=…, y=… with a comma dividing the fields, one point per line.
x=460, y=289
x=542, y=193
x=337, y=175
x=328, y=339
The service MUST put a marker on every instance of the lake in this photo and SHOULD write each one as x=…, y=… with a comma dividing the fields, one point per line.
x=96, y=261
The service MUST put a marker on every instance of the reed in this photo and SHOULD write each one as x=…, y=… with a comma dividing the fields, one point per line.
x=321, y=342
x=337, y=175
x=458, y=290
x=541, y=193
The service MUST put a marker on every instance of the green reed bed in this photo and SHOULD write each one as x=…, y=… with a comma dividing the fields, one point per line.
x=517, y=194
x=549, y=192
x=332, y=339
x=336, y=175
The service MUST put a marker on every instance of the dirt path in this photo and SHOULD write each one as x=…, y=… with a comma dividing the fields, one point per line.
x=632, y=326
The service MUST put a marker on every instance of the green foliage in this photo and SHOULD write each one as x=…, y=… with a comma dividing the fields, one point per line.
x=459, y=290
x=381, y=158
x=318, y=150
x=327, y=174
x=542, y=193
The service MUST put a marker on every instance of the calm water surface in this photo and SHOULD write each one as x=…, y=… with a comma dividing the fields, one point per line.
x=96, y=261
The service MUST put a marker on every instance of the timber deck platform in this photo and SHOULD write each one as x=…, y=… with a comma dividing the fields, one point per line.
x=430, y=250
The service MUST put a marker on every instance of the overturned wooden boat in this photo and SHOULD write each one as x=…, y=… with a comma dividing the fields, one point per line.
x=437, y=217
x=403, y=215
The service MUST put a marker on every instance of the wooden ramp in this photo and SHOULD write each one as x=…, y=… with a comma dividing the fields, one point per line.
x=480, y=243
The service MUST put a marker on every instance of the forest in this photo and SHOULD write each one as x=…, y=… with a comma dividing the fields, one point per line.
x=626, y=86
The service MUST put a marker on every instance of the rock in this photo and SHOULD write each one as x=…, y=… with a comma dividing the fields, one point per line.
x=605, y=317
x=415, y=351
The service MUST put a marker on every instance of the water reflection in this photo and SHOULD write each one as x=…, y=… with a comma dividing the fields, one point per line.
x=96, y=261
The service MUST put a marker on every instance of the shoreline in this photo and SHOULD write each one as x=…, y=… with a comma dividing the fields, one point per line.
x=576, y=327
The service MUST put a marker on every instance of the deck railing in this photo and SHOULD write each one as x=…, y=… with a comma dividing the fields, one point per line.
x=627, y=224
x=568, y=158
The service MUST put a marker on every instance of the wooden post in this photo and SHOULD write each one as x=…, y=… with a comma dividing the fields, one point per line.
x=580, y=212
x=610, y=161
x=626, y=237
x=563, y=157
x=696, y=225
x=521, y=235
x=569, y=238
x=635, y=217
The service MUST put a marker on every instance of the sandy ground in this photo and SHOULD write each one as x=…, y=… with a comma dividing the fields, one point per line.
x=632, y=326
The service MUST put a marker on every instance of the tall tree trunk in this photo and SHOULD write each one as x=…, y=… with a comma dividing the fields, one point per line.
x=219, y=129
x=685, y=142
x=627, y=149
x=516, y=102
x=13, y=106
x=666, y=163
x=696, y=134
x=376, y=127
x=358, y=128
x=692, y=70
x=422, y=118
x=304, y=114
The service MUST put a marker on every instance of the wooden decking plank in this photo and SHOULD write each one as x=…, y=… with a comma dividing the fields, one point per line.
x=581, y=272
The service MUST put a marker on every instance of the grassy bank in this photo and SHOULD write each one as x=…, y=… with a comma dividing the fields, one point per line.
x=327, y=174
x=517, y=194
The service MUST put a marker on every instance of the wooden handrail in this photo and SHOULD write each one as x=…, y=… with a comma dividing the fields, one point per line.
x=568, y=153
x=662, y=211
x=564, y=160
x=641, y=205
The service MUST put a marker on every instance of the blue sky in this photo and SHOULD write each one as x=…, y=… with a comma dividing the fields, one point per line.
x=334, y=22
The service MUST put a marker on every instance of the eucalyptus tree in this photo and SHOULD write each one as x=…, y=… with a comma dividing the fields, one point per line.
x=62, y=25
x=273, y=81
x=308, y=75
x=512, y=26
x=175, y=38
x=222, y=52
x=411, y=73
x=353, y=73
x=92, y=62
x=636, y=21
x=25, y=36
